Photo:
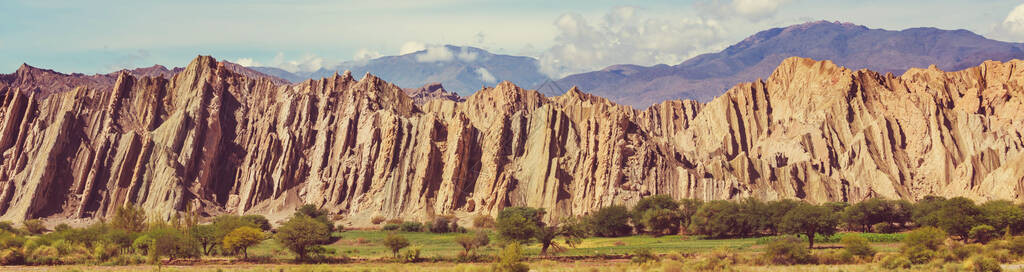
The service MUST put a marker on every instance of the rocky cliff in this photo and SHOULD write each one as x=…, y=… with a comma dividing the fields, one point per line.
x=212, y=139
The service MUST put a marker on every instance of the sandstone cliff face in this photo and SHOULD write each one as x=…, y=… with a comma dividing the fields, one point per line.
x=219, y=141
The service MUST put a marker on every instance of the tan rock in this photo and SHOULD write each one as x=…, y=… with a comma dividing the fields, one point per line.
x=223, y=142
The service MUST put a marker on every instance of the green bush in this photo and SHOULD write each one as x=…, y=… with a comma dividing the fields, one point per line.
x=442, y=225
x=982, y=264
x=857, y=245
x=411, y=255
x=303, y=235
x=982, y=233
x=510, y=259
x=34, y=226
x=610, y=221
x=919, y=254
x=926, y=237
x=483, y=221
x=959, y=252
x=884, y=227
x=410, y=226
x=10, y=240
x=834, y=257
x=788, y=251
x=390, y=227
x=44, y=255
x=643, y=256
x=893, y=262
x=142, y=244
x=1016, y=245
x=12, y=256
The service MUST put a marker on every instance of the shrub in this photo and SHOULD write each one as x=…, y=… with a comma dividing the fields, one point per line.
x=982, y=233
x=834, y=257
x=661, y=221
x=172, y=243
x=10, y=240
x=411, y=226
x=788, y=251
x=483, y=221
x=474, y=241
x=260, y=221
x=395, y=221
x=885, y=227
x=377, y=220
x=982, y=264
x=44, y=255
x=390, y=227
x=103, y=251
x=919, y=254
x=643, y=256
x=653, y=202
x=893, y=262
x=610, y=221
x=926, y=237
x=441, y=225
x=395, y=242
x=62, y=227
x=34, y=226
x=959, y=252
x=142, y=244
x=857, y=245
x=241, y=239
x=510, y=259
x=411, y=255
x=12, y=256
x=1016, y=245
x=8, y=227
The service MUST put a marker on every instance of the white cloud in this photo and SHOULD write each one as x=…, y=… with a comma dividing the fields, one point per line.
x=247, y=62
x=1012, y=27
x=466, y=55
x=307, y=63
x=411, y=47
x=624, y=35
x=365, y=54
x=435, y=53
x=752, y=10
x=485, y=75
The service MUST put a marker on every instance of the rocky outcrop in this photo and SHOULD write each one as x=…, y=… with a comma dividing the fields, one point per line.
x=431, y=91
x=212, y=139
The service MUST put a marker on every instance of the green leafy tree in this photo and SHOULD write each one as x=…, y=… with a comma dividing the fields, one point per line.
x=810, y=220
x=511, y=259
x=687, y=208
x=775, y=211
x=610, y=221
x=206, y=236
x=857, y=245
x=34, y=226
x=395, y=242
x=715, y=219
x=129, y=218
x=1003, y=214
x=260, y=221
x=519, y=224
x=170, y=242
x=982, y=233
x=661, y=221
x=470, y=242
x=651, y=203
x=572, y=230
x=319, y=214
x=242, y=238
x=303, y=235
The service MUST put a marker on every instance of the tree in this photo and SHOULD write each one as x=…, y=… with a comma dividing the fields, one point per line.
x=716, y=219
x=610, y=221
x=302, y=234
x=649, y=203
x=957, y=216
x=34, y=226
x=206, y=236
x=982, y=233
x=242, y=238
x=1003, y=214
x=776, y=210
x=470, y=242
x=572, y=230
x=809, y=220
x=687, y=208
x=661, y=221
x=857, y=245
x=260, y=221
x=510, y=259
x=170, y=242
x=395, y=242
x=319, y=214
x=130, y=218
x=519, y=224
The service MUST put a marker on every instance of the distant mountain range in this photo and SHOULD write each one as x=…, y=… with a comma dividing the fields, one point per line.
x=854, y=46
x=462, y=70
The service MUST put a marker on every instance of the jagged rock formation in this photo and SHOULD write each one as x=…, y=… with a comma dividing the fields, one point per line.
x=431, y=91
x=213, y=139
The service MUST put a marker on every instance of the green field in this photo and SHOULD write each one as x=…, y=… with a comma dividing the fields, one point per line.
x=366, y=244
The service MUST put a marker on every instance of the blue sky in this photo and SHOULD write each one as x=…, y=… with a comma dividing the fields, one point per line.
x=567, y=36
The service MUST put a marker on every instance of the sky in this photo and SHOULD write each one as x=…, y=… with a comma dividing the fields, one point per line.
x=565, y=36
